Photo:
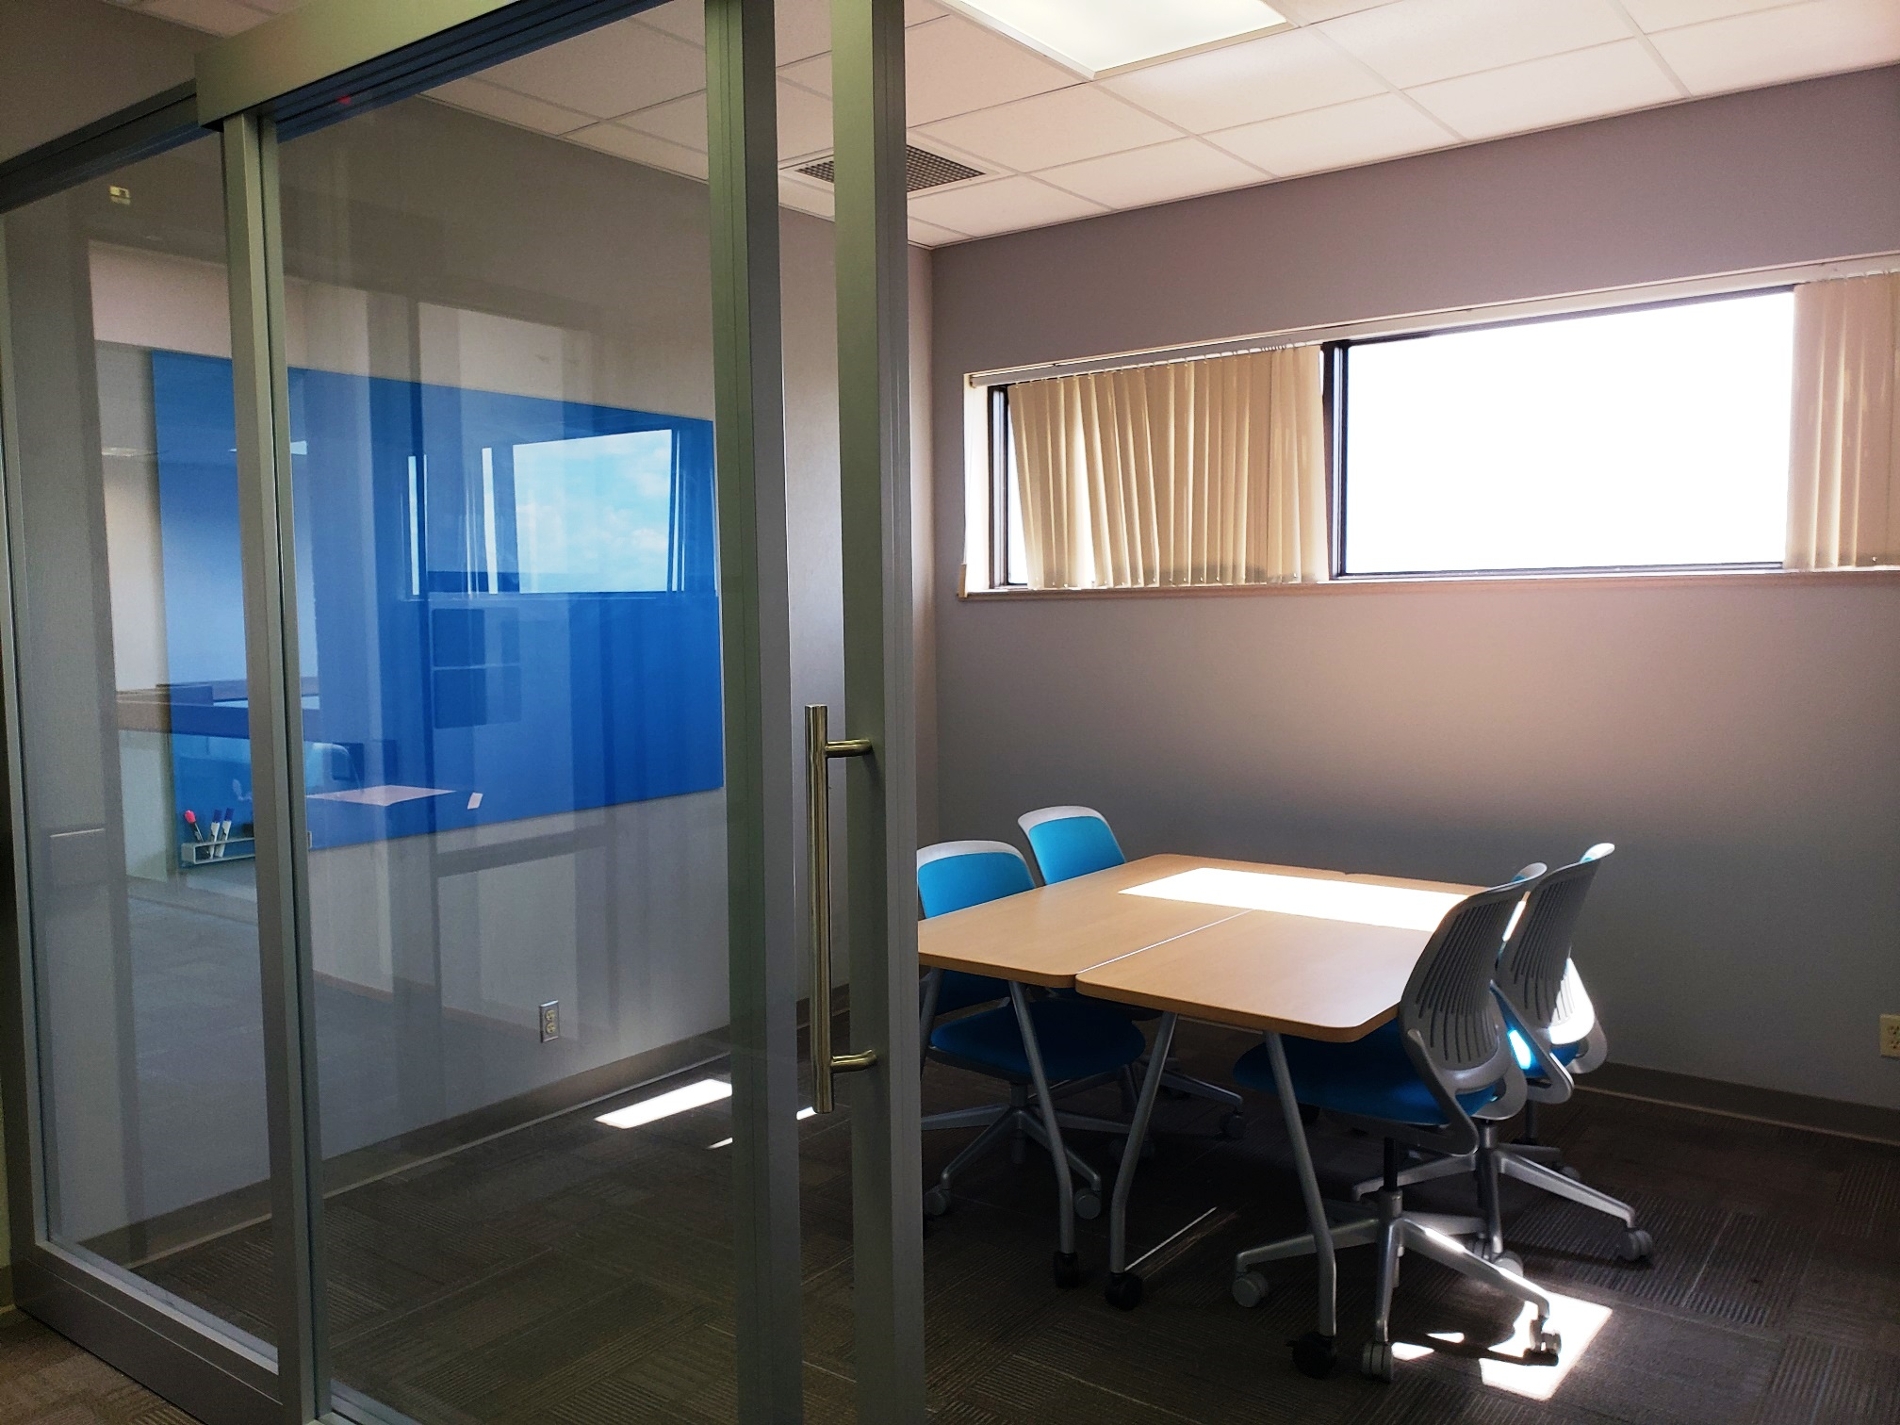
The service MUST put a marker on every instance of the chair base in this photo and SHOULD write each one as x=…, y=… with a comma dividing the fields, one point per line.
x=1016, y=1122
x=1394, y=1232
x=1538, y=1164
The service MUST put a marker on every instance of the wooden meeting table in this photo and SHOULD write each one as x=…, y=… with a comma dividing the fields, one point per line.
x=1281, y=949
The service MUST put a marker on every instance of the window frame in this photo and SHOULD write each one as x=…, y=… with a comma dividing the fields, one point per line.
x=990, y=477
x=1338, y=398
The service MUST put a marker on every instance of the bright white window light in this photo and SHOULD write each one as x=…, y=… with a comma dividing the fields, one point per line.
x=1398, y=907
x=1097, y=37
x=1656, y=436
x=680, y=1100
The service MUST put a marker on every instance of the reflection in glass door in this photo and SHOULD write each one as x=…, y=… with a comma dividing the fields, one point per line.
x=498, y=387
x=134, y=739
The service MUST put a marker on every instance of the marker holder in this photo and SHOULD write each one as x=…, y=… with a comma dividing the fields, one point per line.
x=195, y=854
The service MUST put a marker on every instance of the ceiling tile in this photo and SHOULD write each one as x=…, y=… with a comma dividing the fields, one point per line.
x=931, y=235
x=807, y=196
x=1363, y=131
x=1048, y=129
x=1773, y=46
x=679, y=121
x=219, y=17
x=1419, y=41
x=955, y=66
x=682, y=19
x=813, y=74
x=1239, y=84
x=1542, y=93
x=804, y=29
x=508, y=106
x=804, y=123
x=613, y=70
x=642, y=148
x=1311, y=12
x=1001, y=205
x=1154, y=175
x=1668, y=14
x=918, y=11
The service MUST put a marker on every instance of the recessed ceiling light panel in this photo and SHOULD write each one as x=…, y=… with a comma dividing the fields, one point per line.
x=1098, y=37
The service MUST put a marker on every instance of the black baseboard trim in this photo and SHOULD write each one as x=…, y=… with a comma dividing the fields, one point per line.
x=1868, y=1122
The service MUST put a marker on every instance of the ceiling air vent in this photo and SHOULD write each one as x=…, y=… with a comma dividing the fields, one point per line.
x=921, y=170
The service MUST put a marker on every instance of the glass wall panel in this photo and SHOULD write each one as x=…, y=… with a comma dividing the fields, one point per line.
x=130, y=641
x=500, y=352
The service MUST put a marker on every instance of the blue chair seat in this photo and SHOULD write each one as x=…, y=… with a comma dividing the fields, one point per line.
x=1527, y=1061
x=1371, y=1078
x=1078, y=1038
x=959, y=990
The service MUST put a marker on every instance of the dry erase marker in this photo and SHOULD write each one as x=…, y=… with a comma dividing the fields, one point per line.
x=191, y=820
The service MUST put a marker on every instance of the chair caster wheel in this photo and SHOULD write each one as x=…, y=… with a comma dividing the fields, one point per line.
x=1250, y=1288
x=1511, y=1263
x=1234, y=1125
x=936, y=1202
x=1375, y=1360
x=1545, y=1345
x=1123, y=1290
x=1315, y=1355
x=1637, y=1245
x=1068, y=1270
x=1570, y=1172
x=1088, y=1205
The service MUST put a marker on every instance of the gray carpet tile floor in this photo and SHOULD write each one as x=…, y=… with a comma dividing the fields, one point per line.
x=580, y=1274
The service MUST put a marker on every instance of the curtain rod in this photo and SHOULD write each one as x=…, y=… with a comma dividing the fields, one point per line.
x=1477, y=314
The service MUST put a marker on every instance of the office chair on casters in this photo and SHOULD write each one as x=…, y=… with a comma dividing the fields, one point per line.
x=1031, y=1045
x=1429, y=1079
x=1074, y=841
x=1555, y=1034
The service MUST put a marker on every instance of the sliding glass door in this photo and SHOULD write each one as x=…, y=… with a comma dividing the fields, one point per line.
x=133, y=820
x=402, y=645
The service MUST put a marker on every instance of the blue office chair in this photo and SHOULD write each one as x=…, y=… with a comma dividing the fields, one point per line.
x=1075, y=841
x=1428, y=1078
x=1031, y=1045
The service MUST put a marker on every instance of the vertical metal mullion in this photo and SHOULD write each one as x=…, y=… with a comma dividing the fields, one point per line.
x=25, y=1184
x=275, y=687
x=880, y=700
x=755, y=618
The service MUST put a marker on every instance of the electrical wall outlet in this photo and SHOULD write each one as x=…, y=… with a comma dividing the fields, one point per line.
x=550, y=1020
x=1890, y=1036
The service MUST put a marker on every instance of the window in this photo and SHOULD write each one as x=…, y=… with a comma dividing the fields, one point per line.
x=594, y=514
x=1009, y=560
x=1642, y=438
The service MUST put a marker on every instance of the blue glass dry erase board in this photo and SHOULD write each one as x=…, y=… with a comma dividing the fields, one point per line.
x=507, y=605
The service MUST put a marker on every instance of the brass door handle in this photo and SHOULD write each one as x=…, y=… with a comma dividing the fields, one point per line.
x=819, y=750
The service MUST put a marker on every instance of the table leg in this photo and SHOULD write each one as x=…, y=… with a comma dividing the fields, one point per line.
x=1067, y=1270
x=1131, y=1148
x=1326, y=1326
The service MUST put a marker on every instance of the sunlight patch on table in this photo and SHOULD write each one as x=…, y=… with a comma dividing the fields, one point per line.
x=1396, y=907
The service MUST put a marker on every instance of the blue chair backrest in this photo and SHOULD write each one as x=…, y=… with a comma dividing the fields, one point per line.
x=1070, y=842
x=954, y=874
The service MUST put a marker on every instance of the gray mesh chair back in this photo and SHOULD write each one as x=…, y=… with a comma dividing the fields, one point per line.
x=1533, y=970
x=1449, y=1013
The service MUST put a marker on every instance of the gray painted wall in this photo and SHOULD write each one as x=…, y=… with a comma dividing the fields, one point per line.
x=1736, y=738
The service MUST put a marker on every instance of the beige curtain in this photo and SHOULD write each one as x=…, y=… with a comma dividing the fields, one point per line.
x=1194, y=472
x=1844, y=467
